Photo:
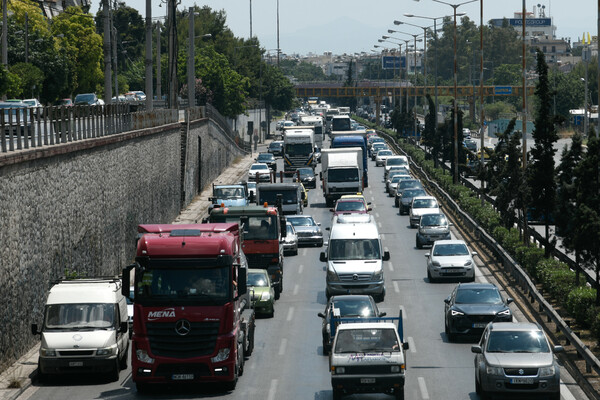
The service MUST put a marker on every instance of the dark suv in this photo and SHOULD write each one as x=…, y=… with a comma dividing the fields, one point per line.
x=268, y=159
x=432, y=227
x=276, y=148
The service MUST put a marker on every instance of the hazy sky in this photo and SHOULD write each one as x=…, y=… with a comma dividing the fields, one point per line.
x=349, y=26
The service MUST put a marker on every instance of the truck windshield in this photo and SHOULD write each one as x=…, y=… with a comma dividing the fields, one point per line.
x=198, y=285
x=340, y=124
x=343, y=175
x=354, y=249
x=366, y=340
x=289, y=196
x=261, y=228
x=80, y=316
x=298, y=149
x=229, y=193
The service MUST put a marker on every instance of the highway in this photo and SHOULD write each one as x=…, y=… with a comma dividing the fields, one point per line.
x=288, y=363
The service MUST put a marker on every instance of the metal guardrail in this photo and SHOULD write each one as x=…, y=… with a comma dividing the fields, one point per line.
x=515, y=270
x=24, y=128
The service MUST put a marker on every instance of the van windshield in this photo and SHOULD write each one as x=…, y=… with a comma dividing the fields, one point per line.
x=80, y=316
x=366, y=341
x=354, y=249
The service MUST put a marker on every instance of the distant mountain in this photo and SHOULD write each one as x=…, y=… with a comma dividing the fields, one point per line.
x=341, y=35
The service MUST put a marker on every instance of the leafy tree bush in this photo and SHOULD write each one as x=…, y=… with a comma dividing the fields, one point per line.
x=579, y=302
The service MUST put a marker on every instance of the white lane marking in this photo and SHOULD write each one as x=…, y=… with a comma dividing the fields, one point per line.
x=376, y=215
x=290, y=314
x=272, y=389
x=301, y=268
x=423, y=388
x=282, y=346
x=296, y=288
x=382, y=236
x=411, y=344
x=379, y=223
x=391, y=267
x=304, y=251
x=396, y=288
x=565, y=393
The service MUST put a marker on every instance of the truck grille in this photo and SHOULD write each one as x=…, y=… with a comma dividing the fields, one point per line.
x=526, y=371
x=168, y=370
x=164, y=340
x=259, y=260
x=75, y=353
x=369, y=369
x=351, y=277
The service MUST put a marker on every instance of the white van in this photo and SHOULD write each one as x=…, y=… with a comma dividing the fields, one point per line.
x=84, y=329
x=355, y=260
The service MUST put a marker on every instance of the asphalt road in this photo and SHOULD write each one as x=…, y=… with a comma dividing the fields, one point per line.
x=288, y=363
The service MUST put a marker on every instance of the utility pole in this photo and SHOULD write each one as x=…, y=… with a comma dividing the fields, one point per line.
x=278, y=48
x=149, y=102
x=5, y=33
x=172, y=81
x=158, y=65
x=191, y=67
x=107, y=61
x=250, y=19
x=113, y=32
x=26, y=37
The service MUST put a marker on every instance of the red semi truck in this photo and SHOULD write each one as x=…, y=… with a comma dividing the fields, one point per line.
x=193, y=320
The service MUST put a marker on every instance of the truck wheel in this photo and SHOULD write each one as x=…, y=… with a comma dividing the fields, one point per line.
x=142, y=388
x=230, y=386
x=399, y=393
x=278, y=291
x=250, y=341
x=337, y=394
x=41, y=377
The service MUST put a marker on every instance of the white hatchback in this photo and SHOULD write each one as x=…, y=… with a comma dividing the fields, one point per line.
x=450, y=259
x=422, y=205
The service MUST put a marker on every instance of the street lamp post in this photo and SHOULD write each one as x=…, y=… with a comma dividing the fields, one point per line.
x=455, y=171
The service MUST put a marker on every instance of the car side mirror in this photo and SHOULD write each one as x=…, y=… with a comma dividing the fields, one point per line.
x=124, y=327
x=476, y=349
x=426, y=255
x=318, y=224
x=473, y=254
x=386, y=256
x=34, y=329
x=331, y=210
x=509, y=300
x=447, y=301
x=323, y=257
x=558, y=349
x=321, y=315
x=369, y=209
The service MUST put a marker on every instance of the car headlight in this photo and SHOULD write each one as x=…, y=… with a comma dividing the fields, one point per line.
x=494, y=370
x=468, y=263
x=378, y=275
x=505, y=312
x=455, y=312
x=340, y=370
x=222, y=355
x=107, y=351
x=332, y=276
x=547, y=371
x=48, y=352
x=142, y=355
x=397, y=368
x=265, y=296
x=435, y=263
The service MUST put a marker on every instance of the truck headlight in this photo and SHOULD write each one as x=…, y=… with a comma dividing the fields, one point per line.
x=48, y=352
x=397, y=368
x=332, y=276
x=142, y=355
x=222, y=355
x=265, y=296
x=340, y=370
x=493, y=370
x=107, y=351
x=378, y=275
x=547, y=371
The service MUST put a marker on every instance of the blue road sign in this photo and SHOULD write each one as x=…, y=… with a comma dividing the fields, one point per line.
x=393, y=62
x=502, y=90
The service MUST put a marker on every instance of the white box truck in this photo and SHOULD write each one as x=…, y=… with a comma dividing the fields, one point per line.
x=84, y=329
x=342, y=172
x=298, y=149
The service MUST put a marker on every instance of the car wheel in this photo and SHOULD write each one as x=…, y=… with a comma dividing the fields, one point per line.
x=41, y=377
x=418, y=244
x=295, y=253
x=272, y=313
x=555, y=396
x=399, y=393
x=277, y=293
x=142, y=388
x=320, y=244
x=430, y=278
x=337, y=394
x=325, y=346
x=477, y=387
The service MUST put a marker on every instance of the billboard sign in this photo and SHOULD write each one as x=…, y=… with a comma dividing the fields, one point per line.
x=393, y=62
x=502, y=90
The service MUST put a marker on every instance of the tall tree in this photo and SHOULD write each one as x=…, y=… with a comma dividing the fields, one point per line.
x=541, y=174
x=429, y=137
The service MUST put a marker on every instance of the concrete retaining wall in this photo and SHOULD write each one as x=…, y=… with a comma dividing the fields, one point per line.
x=75, y=208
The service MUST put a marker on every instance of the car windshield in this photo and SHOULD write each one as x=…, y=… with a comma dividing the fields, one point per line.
x=301, y=221
x=478, y=296
x=410, y=183
x=397, y=178
x=366, y=341
x=396, y=161
x=257, y=279
x=384, y=153
x=517, y=342
x=290, y=230
x=425, y=203
x=265, y=157
x=354, y=249
x=229, y=193
x=353, y=308
x=305, y=172
x=255, y=167
x=410, y=193
x=433, y=220
x=452, y=249
x=85, y=98
x=80, y=316
x=350, y=206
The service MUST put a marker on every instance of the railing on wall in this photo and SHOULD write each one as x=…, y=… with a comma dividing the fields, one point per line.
x=24, y=128
x=214, y=115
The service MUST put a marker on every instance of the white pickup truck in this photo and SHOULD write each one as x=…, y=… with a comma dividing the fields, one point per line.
x=368, y=357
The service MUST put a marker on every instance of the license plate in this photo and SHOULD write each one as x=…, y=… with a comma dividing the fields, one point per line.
x=183, y=377
x=367, y=380
x=524, y=381
x=76, y=364
x=479, y=324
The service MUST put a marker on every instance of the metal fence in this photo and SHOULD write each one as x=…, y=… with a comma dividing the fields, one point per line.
x=24, y=128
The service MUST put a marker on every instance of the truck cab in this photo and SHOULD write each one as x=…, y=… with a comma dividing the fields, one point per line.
x=228, y=195
x=292, y=201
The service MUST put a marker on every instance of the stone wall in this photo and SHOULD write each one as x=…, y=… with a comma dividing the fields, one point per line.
x=75, y=208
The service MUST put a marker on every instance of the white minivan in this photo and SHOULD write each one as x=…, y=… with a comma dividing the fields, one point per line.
x=354, y=260
x=84, y=330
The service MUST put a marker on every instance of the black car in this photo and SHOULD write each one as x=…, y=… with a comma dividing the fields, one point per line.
x=403, y=198
x=268, y=159
x=276, y=148
x=349, y=306
x=307, y=177
x=471, y=306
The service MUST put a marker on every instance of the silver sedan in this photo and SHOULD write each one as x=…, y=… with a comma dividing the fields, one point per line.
x=450, y=259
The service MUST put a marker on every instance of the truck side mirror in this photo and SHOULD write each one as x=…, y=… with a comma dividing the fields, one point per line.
x=323, y=257
x=125, y=280
x=321, y=315
x=386, y=256
x=405, y=346
x=34, y=329
x=124, y=327
x=242, y=281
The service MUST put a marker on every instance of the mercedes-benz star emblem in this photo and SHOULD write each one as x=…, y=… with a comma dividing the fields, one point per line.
x=355, y=277
x=183, y=327
x=521, y=372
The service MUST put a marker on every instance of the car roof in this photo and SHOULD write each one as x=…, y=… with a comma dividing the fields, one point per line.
x=515, y=326
x=288, y=217
x=261, y=164
x=424, y=198
x=449, y=241
x=366, y=325
x=476, y=285
x=344, y=297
